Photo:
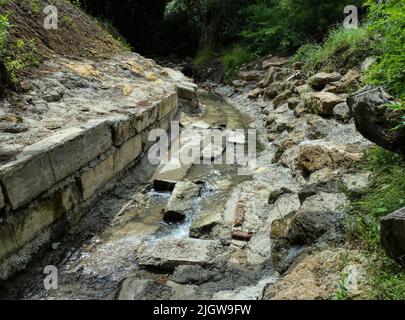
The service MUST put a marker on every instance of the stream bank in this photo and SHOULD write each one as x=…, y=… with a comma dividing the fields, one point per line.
x=276, y=234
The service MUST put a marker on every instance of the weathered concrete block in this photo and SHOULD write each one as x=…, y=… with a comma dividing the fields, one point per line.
x=126, y=127
x=393, y=235
x=188, y=92
x=127, y=153
x=53, y=159
x=146, y=144
x=75, y=154
x=166, y=106
x=27, y=178
x=20, y=228
x=97, y=176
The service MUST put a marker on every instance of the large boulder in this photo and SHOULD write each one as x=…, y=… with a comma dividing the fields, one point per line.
x=318, y=220
x=321, y=103
x=315, y=156
x=315, y=276
x=273, y=74
x=393, y=235
x=274, y=62
x=307, y=227
x=320, y=80
x=375, y=120
x=275, y=88
x=282, y=98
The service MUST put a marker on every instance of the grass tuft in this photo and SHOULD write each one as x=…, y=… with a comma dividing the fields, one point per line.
x=385, y=195
x=235, y=58
x=343, y=49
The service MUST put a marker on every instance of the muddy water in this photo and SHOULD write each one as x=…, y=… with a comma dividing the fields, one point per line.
x=100, y=252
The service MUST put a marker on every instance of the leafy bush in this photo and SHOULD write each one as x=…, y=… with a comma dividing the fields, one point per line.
x=284, y=25
x=15, y=54
x=342, y=49
x=387, y=20
x=234, y=58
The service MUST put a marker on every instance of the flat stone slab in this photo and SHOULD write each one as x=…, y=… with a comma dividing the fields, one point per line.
x=182, y=202
x=200, y=125
x=205, y=222
x=168, y=253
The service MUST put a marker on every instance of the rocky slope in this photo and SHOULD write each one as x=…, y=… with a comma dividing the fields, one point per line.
x=307, y=170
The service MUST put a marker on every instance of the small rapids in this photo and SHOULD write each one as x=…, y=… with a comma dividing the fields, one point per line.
x=100, y=252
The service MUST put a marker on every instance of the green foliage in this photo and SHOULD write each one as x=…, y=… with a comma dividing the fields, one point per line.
x=15, y=54
x=20, y=55
x=343, y=293
x=77, y=3
x=234, y=58
x=386, y=195
x=4, y=33
x=342, y=49
x=110, y=28
x=35, y=6
x=387, y=20
x=282, y=26
x=204, y=57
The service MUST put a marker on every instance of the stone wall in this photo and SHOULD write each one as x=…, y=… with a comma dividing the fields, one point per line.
x=46, y=190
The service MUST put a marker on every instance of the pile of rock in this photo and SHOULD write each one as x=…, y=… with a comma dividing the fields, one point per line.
x=316, y=143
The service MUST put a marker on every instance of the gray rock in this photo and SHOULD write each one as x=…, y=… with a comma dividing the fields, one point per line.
x=356, y=183
x=274, y=62
x=331, y=186
x=139, y=289
x=341, y=112
x=204, y=224
x=375, y=120
x=325, y=202
x=320, y=80
x=54, y=96
x=307, y=227
x=182, y=201
x=321, y=103
x=275, y=88
x=250, y=75
x=168, y=253
x=393, y=235
x=192, y=274
x=10, y=127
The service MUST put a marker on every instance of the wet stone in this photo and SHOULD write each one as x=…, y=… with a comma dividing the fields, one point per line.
x=168, y=253
x=182, y=201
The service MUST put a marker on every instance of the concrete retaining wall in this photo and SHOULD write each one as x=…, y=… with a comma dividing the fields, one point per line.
x=53, y=179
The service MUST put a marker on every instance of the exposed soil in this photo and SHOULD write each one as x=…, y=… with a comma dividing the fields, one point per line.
x=77, y=36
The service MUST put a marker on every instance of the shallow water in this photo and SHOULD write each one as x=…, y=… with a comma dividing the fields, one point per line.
x=93, y=259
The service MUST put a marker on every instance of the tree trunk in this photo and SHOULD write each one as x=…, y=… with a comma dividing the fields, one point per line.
x=209, y=28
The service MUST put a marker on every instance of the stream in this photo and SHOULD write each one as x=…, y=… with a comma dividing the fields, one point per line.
x=96, y=255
